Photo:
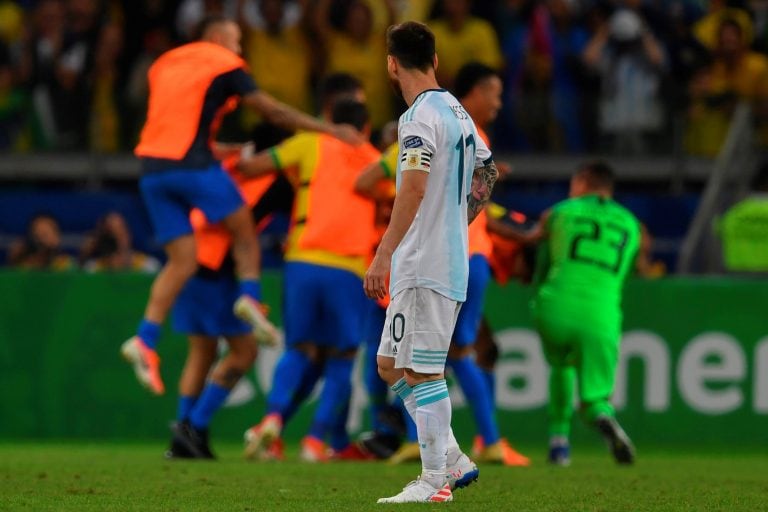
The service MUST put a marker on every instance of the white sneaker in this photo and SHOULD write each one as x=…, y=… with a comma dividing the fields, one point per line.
x=462, y=473
x=251, y=312
x=420, y=491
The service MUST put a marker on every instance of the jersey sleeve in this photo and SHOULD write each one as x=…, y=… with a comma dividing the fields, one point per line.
x=417, y=144
x=239, y=82
x=483, y=155
x=388, y=160
x=293, y=150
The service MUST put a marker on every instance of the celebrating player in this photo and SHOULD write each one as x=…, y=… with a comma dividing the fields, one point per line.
x=330, y=239
x=588, y=248
x=444, y=179
x=191, y=88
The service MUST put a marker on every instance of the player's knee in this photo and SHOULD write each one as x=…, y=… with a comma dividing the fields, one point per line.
x=415, y=378
x=240, y=224
x=487, y=356
x=310, y=350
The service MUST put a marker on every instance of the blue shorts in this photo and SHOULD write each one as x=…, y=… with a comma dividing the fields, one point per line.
x=170, y=195
x=471, y=312
x=204, y=307
x=322, y=305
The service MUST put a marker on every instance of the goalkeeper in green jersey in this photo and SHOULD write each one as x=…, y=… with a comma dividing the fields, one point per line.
x=589, y=245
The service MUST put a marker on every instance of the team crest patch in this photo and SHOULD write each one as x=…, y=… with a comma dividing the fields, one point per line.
x=413, y=142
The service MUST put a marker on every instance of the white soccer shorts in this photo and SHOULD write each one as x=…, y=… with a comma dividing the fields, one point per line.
x=418, y=330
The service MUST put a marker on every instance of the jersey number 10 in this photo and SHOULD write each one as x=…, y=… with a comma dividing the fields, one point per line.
x=598, y=235
x=469, y=141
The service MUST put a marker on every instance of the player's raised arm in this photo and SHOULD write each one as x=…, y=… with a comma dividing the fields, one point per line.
x=288, y=117
x=483, y=180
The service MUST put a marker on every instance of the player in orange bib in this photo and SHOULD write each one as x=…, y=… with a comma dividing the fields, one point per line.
x=191, y=88
x=329, y=243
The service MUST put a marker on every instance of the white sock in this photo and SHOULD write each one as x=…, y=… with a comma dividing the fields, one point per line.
x=405, y=392
x=433, y=424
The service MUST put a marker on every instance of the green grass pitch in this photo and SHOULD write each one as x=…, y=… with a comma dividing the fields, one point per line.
x=103, y=477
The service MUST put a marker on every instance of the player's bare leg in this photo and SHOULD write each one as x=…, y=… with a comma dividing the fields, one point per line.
x=247, y=256
x=193, y=433
x=179, y=268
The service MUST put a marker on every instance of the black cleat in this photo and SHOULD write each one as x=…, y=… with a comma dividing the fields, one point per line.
x=177, y=450
x=194, y=441
x=618, y=441
x=381, y=445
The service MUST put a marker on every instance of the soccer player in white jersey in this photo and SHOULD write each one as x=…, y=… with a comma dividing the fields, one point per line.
x=444, y=179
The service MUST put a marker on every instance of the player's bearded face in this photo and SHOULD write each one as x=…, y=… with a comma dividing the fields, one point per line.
x=393, y=80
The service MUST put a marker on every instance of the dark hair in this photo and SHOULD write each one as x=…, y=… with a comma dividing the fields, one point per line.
x=598, y=175
x=412, y=44
x=338, y=84
x=207, y=23
x=350, y=112
x=469, y=76
x=730, y=22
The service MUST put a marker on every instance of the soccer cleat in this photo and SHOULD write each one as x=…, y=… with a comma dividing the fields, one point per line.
x=501, y=452
x=420, y=491
x=177, y=450
x=193, y=440
x=314, y=450
x=253, y=312
x=408, y=452
x=380, y=445
x=478, y=445
x=259, y=438
x=275, y=451
x=559, y=455
x=462, y=473
x=618, y=440
x=353, y=451
x=146, y=364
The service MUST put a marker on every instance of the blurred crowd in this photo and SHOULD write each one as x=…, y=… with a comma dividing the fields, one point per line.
x=625, y=76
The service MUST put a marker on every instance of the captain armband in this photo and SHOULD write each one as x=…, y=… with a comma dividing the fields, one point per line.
x=415, y=159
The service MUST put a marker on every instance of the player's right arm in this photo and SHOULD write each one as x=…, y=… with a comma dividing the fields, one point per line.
x=288, y=153
x=290, y=118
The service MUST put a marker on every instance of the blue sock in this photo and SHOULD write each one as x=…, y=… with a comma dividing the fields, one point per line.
x=186, y=403
x=210, y=401
x=285, y=381
x=308, y=383
x=339, y=436
x=490, y=380
x=149, y=332
x=334, y=399
x=251, y=288
x=475, y=389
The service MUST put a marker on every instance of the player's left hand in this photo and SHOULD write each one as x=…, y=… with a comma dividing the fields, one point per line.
x=375, y=281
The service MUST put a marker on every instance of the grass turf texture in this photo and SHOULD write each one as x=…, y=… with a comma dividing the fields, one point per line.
x=104, y=477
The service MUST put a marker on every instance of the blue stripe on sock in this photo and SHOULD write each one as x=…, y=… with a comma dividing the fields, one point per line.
x=402, y=389
x=430, y=392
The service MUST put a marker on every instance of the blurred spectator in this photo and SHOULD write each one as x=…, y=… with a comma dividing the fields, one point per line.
x=686, y=53
x=58, y=56
x=41, y=248
x=358, y=47
x=280, y=56
x=744, y=230
x=546, y=77
x=110, y=248
x=105, y=119
x=13, y=104
x=707, y=29
x=461, y=38
x=737, y=74
x=630, y=62
x=11, y=21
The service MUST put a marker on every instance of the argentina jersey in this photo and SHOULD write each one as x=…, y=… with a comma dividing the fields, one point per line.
x=437, y=136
